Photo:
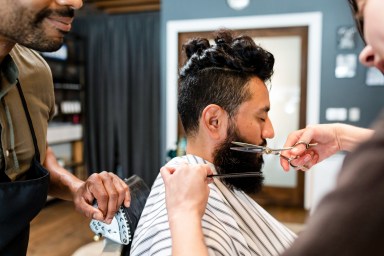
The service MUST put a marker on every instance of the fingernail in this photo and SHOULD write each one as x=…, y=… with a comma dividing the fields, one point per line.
x=97, y=216
x=295, y=150
x=307, y=158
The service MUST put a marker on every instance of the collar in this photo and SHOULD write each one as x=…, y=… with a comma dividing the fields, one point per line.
x=9, y=69
x=199, y=160
x=8, y=75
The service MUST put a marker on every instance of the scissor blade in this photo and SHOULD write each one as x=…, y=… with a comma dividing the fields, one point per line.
x=243, y=144
x=249, y=150
x=235, y=175
x=258, y=149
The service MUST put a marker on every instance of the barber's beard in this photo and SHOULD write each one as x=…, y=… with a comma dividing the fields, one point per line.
x=28, y=29
x=233, y=161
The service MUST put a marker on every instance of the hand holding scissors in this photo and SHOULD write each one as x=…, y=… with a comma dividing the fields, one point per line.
x=331, y=138
x=251, y=148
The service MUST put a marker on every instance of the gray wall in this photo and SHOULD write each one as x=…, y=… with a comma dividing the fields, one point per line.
x=335, y=93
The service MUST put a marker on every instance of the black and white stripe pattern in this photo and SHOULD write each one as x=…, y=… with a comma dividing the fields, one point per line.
x=233, y=224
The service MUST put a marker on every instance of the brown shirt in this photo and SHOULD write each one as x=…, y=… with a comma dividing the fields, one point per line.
x=35, y=79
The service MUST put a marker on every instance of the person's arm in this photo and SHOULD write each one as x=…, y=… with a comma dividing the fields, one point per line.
x=107, y=188
x=187, y=192
x=349, y=219
x=330, y=139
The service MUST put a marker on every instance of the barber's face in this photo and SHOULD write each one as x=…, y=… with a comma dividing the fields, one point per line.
x=37, y=24
x=372, y=12
x=251, y=125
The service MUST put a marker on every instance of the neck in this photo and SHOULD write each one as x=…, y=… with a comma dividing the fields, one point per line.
x=200, y=147
x=5, y=47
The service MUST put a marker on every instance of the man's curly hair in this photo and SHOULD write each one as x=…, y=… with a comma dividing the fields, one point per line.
x=219, y=74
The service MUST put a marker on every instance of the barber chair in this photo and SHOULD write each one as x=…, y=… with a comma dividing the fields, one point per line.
x=119, y=234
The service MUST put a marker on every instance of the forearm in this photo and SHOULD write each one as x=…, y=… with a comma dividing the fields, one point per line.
x=187, y=235
x=351, y=136
x=63, y=184
x=107, y=188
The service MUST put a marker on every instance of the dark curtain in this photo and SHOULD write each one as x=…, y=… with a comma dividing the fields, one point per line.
x=122, y=95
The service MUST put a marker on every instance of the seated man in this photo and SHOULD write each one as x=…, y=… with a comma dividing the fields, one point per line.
x=222, y=98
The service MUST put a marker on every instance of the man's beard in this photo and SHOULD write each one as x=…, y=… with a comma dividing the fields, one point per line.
x=233, y=161
x=27, y=28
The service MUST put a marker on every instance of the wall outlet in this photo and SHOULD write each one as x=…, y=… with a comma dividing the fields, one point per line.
x=354, y=114
x=336, y=114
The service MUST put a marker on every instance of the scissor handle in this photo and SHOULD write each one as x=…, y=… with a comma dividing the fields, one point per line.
x=297, y=167
x=289, y=159
x=307, y=145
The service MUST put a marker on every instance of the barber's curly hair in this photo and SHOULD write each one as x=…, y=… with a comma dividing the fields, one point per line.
x=219, y=74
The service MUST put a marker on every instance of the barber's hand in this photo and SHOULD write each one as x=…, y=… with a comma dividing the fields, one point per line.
x=110, y=192
x=326, y=137
x=186, y=188
x=107, y=188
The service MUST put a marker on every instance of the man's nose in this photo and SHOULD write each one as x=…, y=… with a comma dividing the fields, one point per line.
x=367, y=56
x=75, y=4
x=268, y=131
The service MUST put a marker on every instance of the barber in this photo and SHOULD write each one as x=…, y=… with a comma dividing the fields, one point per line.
x=28, y=167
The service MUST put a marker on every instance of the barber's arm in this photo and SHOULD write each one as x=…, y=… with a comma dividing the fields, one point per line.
x=187, y=192
x=107, y=188
x=330, y=139
x=349, y=219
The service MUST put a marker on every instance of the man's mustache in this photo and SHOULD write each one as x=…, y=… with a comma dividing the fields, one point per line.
x=264, y=143
x=65, y=12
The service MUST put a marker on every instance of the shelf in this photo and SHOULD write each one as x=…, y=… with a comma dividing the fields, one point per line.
x=60, y=133
x=68, y=86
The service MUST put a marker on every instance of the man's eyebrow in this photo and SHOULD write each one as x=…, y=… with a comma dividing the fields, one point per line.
x=265, y=109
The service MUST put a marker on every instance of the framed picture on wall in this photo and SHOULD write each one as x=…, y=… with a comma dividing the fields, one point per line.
x=346, y=38
x=346, y=65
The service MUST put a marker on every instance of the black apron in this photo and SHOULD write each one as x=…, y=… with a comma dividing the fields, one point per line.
x=21, y=201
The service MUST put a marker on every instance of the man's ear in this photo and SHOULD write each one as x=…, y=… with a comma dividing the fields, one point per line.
x=214, y=120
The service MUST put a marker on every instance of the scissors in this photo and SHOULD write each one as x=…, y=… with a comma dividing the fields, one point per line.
x=251, y=148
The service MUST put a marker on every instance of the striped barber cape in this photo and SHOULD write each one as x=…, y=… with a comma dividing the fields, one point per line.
x=233, y=223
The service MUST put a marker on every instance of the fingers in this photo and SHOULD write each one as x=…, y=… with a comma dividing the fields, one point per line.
x=306, y=161
x=203, y=170
x=303, y=162
x=284, y=163
x=293, y=138
x=116, y=191
x=124, y=197
x=92, y=212
x=109, y=191
x=209, y=172
x=301, y=144
x=186, y=188
x=166, y=172
x=127, y=198
x=299, y=141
